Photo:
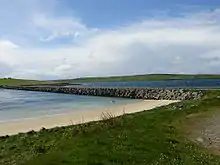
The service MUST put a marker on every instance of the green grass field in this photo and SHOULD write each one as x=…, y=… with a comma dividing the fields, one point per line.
x=153, y=137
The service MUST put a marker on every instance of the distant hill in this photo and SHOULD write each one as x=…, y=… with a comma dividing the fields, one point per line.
x=12, y=82
x=148, y=77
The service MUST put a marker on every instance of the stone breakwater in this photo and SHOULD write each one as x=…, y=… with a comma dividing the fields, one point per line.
x=135, y=93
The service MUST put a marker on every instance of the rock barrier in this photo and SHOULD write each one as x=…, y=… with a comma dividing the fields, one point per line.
x=134, y=93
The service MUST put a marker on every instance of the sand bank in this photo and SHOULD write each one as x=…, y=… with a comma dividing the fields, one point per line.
x=82, y=116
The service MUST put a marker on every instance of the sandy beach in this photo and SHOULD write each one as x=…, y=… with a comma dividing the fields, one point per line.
x=14, y=127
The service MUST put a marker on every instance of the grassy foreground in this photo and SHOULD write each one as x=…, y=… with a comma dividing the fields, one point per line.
x=151, y=137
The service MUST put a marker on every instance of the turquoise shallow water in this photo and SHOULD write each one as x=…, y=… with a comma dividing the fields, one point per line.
x=17, y=105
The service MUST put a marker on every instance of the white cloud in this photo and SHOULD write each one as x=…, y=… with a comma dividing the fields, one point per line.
x=188, y=44
x=58, y=27
x=5, y=44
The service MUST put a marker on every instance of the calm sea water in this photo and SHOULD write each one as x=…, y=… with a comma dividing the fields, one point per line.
x=190, y=83
x=15, y=104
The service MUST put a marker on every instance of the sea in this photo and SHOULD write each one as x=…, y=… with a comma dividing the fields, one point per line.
x=18, y=105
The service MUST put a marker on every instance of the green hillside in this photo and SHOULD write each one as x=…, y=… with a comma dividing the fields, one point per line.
x=17, y=82
x=148, y=77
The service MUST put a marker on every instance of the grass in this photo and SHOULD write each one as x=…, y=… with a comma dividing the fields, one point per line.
x=153, y=137
x=16, y=82
x=148, y=77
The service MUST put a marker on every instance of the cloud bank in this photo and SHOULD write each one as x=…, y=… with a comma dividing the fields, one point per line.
x=45, y=45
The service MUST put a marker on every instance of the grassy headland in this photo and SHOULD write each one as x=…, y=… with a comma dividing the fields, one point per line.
x=17, y=82
x=149, y=137
x=20, y=82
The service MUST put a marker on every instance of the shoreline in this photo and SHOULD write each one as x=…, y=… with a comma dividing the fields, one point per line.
x=78, y=117
x=72, y=112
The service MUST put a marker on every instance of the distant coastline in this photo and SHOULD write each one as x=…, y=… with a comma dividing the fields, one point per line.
x=146, y=77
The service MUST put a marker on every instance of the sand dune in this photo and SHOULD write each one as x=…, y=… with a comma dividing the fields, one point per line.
x=10, y=128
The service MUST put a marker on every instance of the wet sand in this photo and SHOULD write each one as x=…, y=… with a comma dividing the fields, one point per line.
x=14, y=127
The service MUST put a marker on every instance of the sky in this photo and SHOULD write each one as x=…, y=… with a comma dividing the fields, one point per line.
x=57, y=39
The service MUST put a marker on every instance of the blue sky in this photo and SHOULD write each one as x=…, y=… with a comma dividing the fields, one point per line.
x=50, y=39
x=110, y=13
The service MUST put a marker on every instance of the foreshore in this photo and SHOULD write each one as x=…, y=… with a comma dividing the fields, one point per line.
x=78, y=117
